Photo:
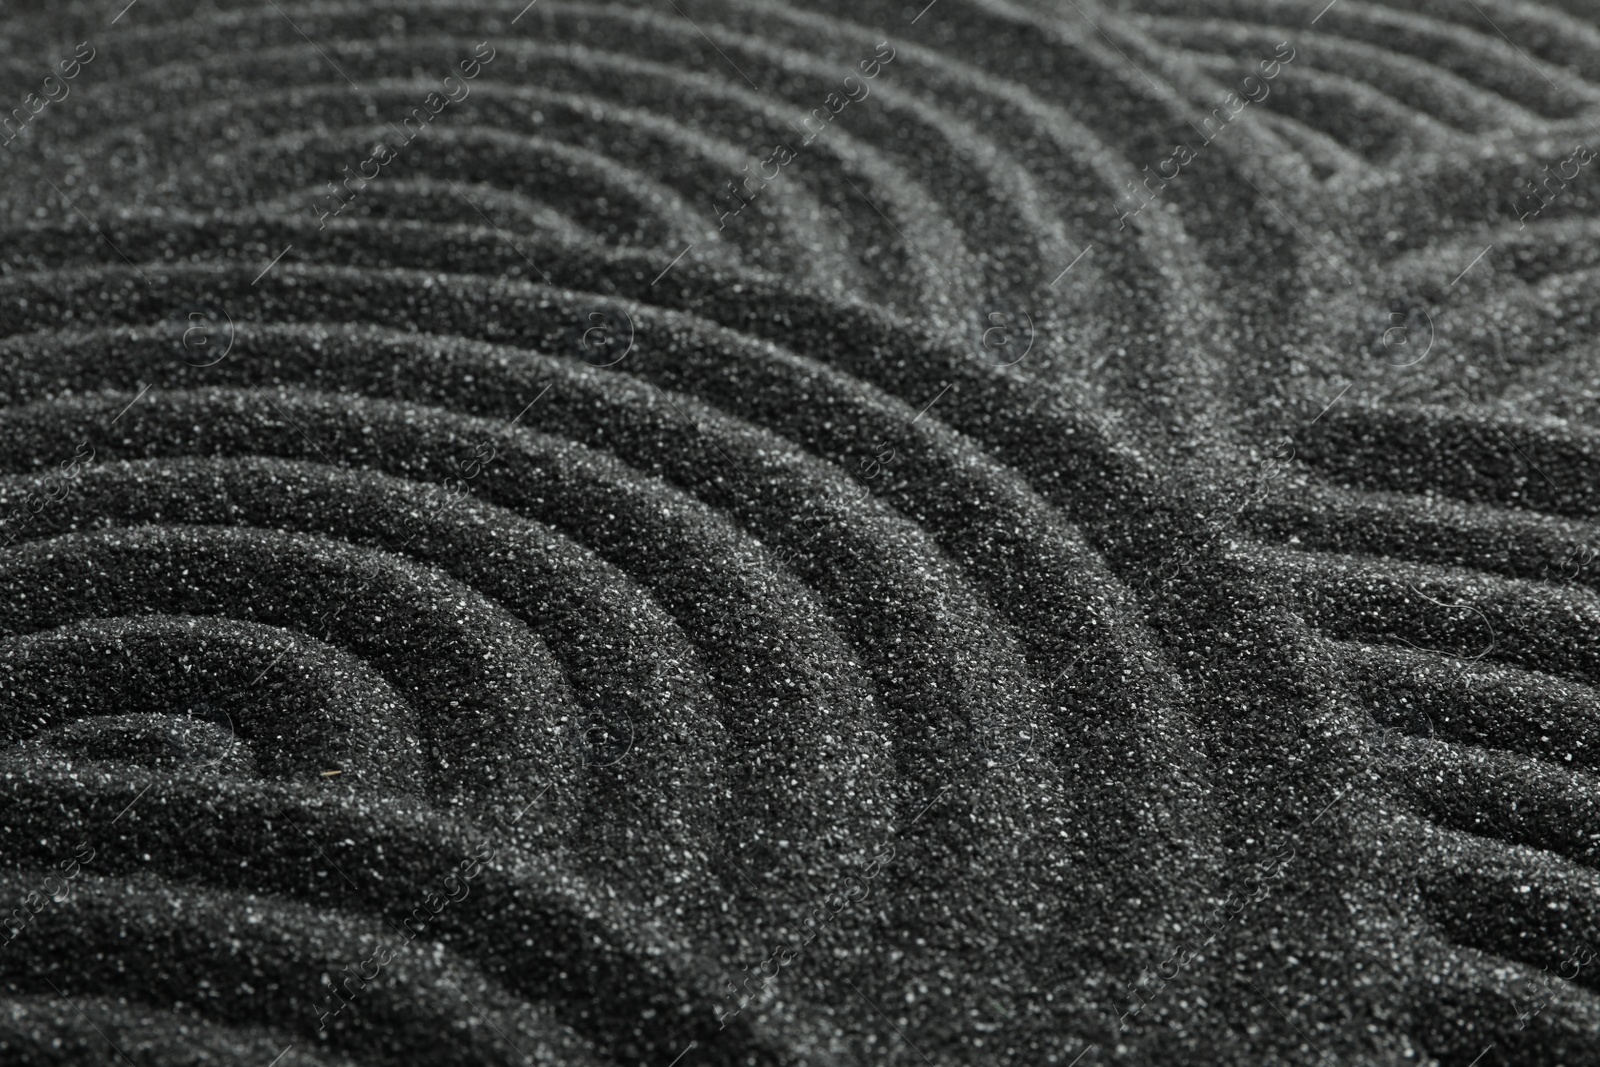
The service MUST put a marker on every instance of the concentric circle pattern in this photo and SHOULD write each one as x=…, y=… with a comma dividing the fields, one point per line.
x=1001, y=532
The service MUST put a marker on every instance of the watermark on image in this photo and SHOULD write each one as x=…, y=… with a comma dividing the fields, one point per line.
x=1155, y=979
x=605, y=342
x=357, y=976
x=1554, y=184
x=36, y=901
x=1005, y=341
x=1572, y=565
x=819, y=915
x=383, y=154
x=34, y=104
x=206, y=337
x=1541, y=997
x=1252, y=90
x=785, y=153
x=54, y=487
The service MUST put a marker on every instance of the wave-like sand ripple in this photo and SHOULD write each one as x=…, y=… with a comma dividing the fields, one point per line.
x=686, y=568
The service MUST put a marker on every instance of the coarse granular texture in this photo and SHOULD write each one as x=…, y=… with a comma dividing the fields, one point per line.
x=710, y=532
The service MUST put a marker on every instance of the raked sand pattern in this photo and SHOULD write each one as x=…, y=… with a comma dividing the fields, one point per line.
x=709, y=532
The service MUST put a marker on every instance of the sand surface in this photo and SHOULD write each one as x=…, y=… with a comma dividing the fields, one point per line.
x=712, y=532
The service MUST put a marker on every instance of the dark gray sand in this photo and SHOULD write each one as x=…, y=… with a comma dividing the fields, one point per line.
x=717, y=533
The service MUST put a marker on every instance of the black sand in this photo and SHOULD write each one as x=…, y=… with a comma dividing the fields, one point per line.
x=1087, y=555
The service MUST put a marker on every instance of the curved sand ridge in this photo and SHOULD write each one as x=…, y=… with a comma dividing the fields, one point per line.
x=704, y=578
